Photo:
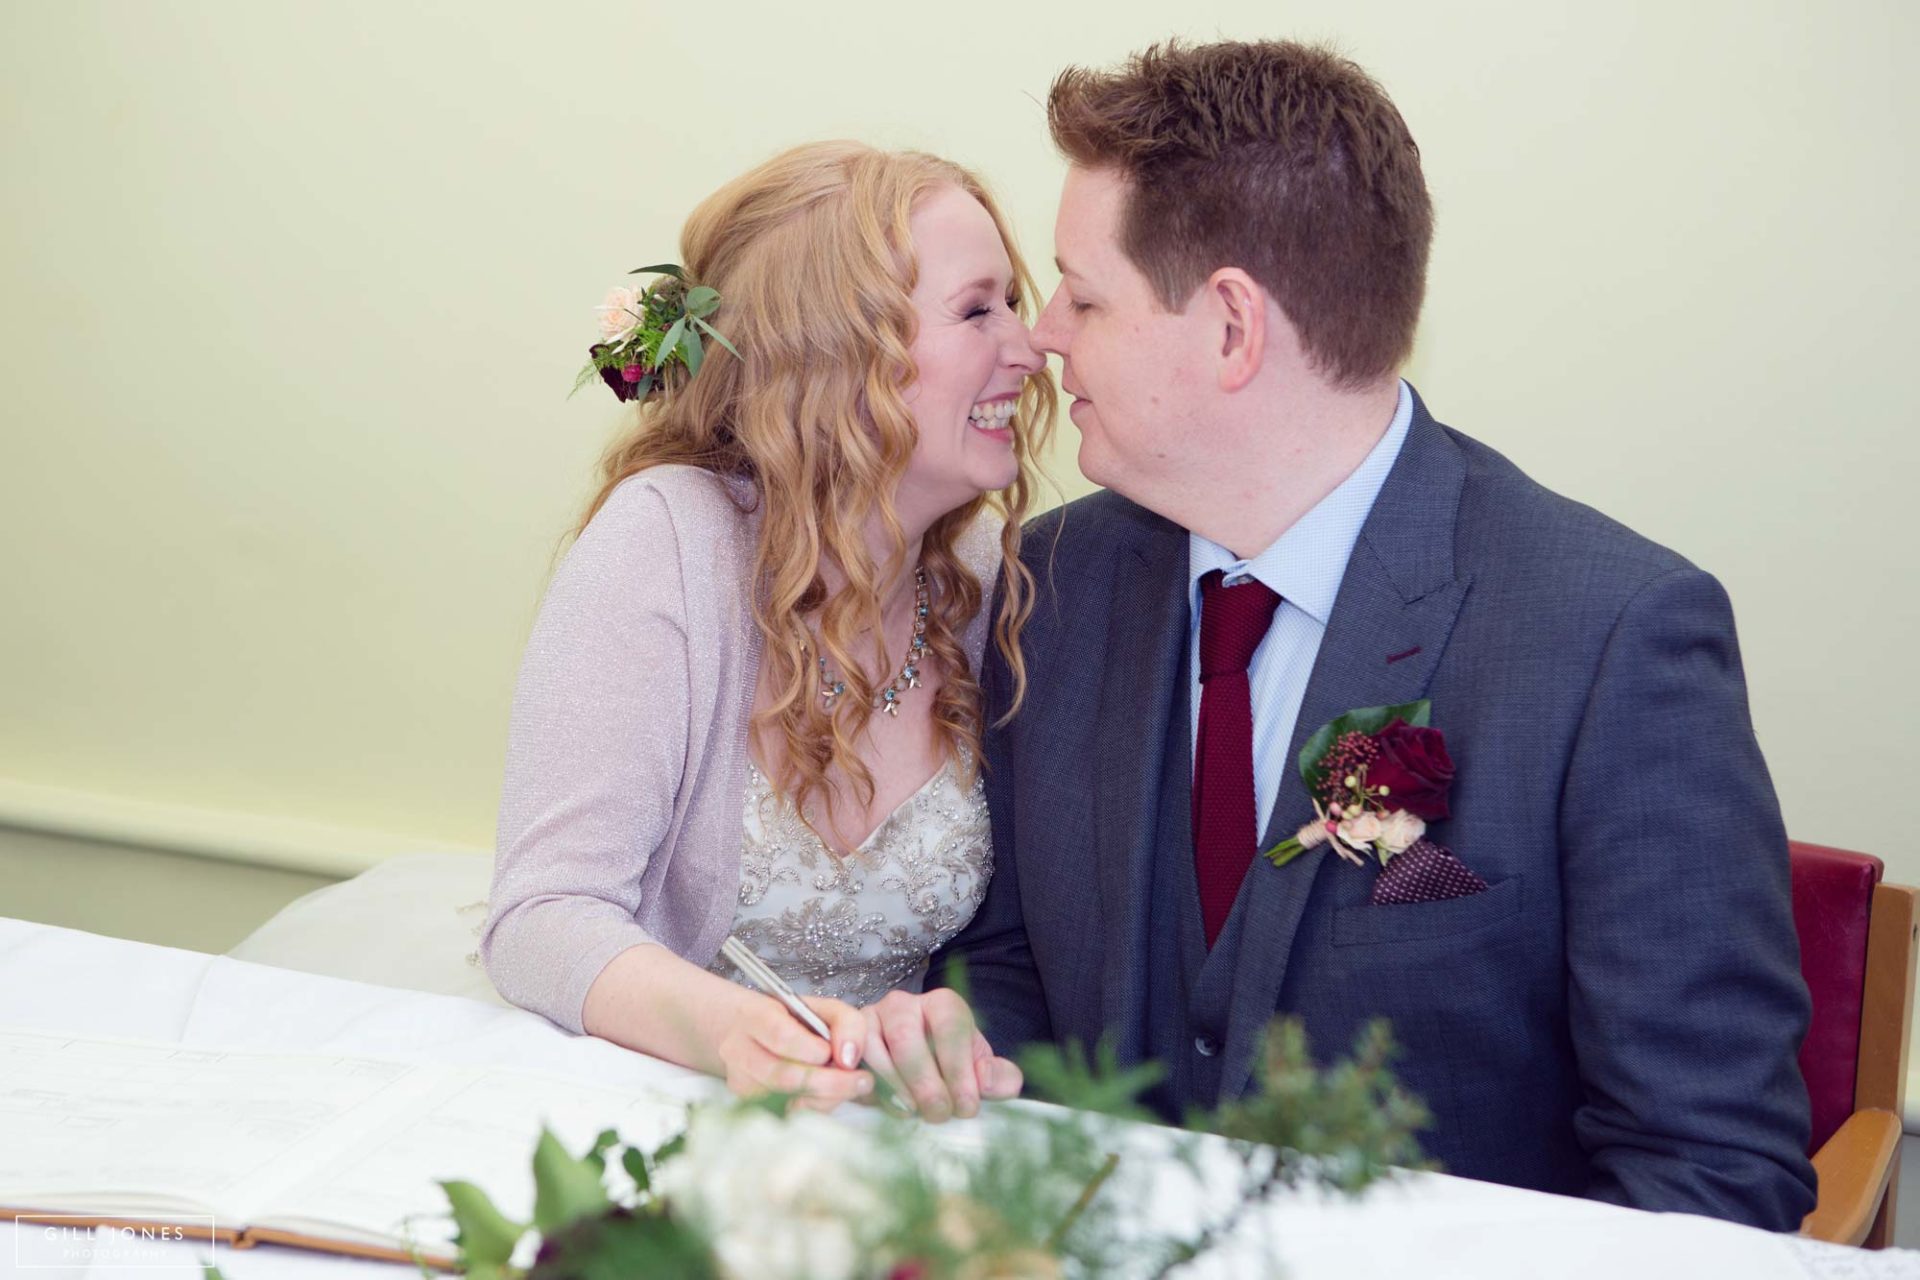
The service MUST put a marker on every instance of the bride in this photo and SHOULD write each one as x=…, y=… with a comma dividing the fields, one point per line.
x=749, y=705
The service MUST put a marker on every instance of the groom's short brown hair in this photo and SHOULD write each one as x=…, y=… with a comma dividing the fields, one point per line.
x=1285, y=160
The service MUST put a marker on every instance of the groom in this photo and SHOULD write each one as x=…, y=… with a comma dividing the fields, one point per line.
x=1602, y=996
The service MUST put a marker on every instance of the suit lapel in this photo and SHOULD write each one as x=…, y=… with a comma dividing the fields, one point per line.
x=1139, y=654
x=1390, y=622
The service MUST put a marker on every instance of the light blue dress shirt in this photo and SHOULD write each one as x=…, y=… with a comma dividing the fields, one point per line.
x=1305, y=566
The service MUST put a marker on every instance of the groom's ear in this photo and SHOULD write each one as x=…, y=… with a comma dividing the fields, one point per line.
x=1237, y=307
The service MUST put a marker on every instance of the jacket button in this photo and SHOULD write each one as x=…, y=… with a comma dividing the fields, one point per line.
x=1206, y=1046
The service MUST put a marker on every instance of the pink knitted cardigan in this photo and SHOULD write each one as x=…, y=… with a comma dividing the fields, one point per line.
x=621, y=813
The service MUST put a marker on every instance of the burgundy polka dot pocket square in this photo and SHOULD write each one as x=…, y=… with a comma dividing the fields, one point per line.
x=1424, y=872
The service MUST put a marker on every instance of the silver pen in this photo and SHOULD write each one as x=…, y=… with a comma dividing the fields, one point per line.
x=756, y=971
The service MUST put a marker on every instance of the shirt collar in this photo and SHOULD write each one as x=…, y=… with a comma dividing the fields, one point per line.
x=1306, y=563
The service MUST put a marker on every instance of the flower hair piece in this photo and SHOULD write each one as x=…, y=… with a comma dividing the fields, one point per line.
x=644, y=331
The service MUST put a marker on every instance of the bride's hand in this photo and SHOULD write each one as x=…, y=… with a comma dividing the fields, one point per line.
x=933, y=1054
x=765, y=1049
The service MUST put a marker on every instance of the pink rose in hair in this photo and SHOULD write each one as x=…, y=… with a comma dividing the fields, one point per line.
x=619, y=313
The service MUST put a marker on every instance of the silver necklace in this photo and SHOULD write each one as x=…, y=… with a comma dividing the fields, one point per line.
x=909, y=677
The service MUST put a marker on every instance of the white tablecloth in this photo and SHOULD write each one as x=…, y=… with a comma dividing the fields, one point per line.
x=55, y=979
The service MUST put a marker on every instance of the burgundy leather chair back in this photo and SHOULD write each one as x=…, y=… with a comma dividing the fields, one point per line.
x=1832, y=906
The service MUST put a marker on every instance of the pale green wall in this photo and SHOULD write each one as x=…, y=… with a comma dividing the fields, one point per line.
x=202, y=904
x=293, y=294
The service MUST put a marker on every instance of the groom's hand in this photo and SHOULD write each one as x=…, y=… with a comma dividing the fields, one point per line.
x=931, y=1051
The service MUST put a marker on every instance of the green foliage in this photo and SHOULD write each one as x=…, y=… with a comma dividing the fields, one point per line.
x=1047, y=1182
x=717, y=336
x=672, y=317
x=1066, y=1075
x=484, y=1235
x=1366, y=720
x=588, y=374
x=1042, y=1180
x=1029, y=1190
x=565, y=1188
x=671, y=1148
x=1284, y=852
x=1343, y=1127
x=606, y=1141
x=634, y=1161
x=669, y=343
x=625, y=1244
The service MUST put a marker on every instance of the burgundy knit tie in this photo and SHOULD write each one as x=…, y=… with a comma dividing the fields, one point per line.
x=1225, y=813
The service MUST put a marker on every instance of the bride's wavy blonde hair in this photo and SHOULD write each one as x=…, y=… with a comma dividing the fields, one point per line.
x=815, y=267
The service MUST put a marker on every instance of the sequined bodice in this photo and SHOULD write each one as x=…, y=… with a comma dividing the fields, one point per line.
x=855, y=927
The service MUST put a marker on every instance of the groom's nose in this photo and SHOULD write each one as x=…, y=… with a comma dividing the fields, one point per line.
x=1050, y=331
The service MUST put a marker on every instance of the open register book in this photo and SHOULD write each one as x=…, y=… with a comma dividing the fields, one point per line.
x=340, y=1154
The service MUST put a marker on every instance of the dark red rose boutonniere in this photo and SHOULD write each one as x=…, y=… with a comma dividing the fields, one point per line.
x=1412, y=771
x=1377, y=776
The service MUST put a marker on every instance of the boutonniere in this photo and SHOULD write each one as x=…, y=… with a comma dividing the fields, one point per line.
x=1377, y=776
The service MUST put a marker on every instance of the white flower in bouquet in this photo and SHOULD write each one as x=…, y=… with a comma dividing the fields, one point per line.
x=781, y=1199
x=619, y=313
x=1399, y=830
x=1362, y=828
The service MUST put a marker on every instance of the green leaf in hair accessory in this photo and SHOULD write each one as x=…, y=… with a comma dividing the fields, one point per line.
x=645, y=331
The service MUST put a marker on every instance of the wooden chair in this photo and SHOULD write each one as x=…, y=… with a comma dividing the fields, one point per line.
x=1857, y=954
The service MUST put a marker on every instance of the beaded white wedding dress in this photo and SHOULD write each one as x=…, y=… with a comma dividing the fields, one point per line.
x=857, y=926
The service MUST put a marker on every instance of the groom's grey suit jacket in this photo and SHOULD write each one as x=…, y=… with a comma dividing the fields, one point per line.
x=1618, y=1015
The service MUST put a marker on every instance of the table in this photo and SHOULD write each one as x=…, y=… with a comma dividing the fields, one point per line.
x=1426, y=1225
